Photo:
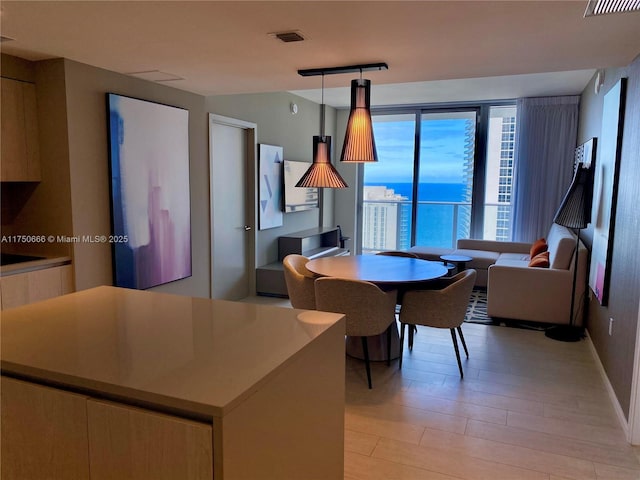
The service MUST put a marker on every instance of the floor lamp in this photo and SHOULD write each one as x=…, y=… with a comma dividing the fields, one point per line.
x=574, y=213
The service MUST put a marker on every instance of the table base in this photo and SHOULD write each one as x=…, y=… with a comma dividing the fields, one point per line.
x=377, y=346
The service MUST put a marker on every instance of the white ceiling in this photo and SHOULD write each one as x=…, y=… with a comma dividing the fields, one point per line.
x=492, y=49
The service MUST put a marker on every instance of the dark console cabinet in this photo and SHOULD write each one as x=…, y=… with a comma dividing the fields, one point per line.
x=312, y=243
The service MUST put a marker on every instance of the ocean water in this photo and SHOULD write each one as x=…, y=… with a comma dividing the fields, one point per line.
x=435, y=223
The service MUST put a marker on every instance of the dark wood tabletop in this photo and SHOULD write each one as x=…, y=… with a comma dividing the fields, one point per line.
x=377, y=268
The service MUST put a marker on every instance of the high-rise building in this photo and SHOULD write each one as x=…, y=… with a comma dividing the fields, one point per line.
x=386, y=219
x=500, y=154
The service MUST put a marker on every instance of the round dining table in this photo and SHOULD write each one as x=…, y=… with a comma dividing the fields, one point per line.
x=386, y=271
x=378, y=269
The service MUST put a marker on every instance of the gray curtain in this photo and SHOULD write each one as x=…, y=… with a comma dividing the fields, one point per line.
x=545, y=142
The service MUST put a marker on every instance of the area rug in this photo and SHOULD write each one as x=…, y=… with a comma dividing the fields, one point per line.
x=477, y=309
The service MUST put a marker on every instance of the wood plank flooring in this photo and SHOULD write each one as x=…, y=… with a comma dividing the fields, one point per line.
x=528, y=408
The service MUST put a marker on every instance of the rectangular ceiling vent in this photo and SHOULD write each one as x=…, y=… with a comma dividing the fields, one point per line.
x=288, y=37
x=604, y=7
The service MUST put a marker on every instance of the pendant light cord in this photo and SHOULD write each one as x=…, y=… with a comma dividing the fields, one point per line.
x=322, y=111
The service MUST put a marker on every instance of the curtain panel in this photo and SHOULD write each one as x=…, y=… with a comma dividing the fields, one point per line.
x=546, y=136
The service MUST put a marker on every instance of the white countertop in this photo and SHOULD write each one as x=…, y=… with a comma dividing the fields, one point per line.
x=195, y=355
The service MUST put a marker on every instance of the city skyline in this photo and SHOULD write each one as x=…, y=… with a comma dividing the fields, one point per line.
x=442, y=150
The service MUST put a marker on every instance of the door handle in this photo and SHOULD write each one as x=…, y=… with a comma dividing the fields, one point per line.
x=247, y=228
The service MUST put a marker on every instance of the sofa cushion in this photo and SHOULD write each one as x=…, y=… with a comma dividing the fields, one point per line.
x=520, y=257
x=480, y=258
x=538, y=246
x=562, y=244
x=540, y=261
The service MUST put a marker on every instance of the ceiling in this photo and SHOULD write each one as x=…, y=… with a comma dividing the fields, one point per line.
x=491, y=49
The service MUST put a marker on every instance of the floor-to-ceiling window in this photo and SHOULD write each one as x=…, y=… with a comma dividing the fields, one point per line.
x=443, y=174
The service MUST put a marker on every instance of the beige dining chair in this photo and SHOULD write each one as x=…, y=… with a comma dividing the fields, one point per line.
x=369, y=311
x=444, y=308
x=300, y=282
x=400, y=253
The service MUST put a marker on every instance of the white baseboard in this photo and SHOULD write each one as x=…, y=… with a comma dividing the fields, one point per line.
x=624, y=423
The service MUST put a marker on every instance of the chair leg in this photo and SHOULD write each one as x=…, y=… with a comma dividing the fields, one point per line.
x=389, y=345
x=463, y=342
x=455, y=346
x=365, y=349
x=402, y=327
x=412, y=331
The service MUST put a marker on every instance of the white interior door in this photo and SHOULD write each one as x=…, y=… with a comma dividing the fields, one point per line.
x=232, y=148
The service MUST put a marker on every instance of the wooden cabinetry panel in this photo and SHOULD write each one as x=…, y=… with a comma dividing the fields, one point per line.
x=15, y=290
x=13, y=133
x=44, y=284
x=66, y=280
x=31, y=132
x=20, y=156
x=126, y=442
x=24, y=288
x=50, y=425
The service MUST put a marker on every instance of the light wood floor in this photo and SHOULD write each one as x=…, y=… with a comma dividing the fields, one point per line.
x=528, y=408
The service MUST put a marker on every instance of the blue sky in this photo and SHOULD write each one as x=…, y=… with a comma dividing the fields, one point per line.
x=441, y=152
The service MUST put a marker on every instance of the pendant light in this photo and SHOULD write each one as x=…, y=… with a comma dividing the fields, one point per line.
x=359, y=143
x=322, y=173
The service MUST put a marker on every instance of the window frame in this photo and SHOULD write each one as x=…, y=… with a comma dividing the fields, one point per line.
x=482, y=110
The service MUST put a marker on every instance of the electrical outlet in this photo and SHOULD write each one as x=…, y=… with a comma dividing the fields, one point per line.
x=610, y=326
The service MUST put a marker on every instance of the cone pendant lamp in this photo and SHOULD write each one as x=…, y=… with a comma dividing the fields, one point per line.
x=322, y=173
x=359, y=143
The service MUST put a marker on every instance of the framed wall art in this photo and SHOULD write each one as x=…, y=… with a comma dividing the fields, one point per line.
x=297, y=199
x=605, y=190
x=150, y=201
x=270, y=186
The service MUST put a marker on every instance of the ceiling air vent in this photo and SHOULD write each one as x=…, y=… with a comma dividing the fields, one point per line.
x=288, y=37
x=603, y=7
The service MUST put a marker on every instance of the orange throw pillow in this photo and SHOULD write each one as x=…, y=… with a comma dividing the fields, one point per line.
x=541, y=260
x=538, y=246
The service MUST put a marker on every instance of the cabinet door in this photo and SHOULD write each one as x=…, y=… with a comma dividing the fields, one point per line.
x=132, y=443
x=44, y=284
x=32, y=141
x=15, y=290
x=20, y=142
x=44, y=433
x=12, y=167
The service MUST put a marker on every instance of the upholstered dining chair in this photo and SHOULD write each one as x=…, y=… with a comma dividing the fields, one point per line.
x=369, y=311
x=444, y=308
x=300, y=282
x=400, y=253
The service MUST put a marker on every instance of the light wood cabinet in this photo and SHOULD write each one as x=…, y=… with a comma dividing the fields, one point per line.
x=231, y=391
x=24, y=288
x=129, y=442
x=49, y=424
x=74, y=437
x=20, y=154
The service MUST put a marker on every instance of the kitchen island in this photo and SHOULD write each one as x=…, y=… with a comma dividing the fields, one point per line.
x=118, y=383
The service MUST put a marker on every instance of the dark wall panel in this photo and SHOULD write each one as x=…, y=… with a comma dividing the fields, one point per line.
x=616, y=351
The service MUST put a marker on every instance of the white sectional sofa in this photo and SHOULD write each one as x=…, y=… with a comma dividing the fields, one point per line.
x=517, y=291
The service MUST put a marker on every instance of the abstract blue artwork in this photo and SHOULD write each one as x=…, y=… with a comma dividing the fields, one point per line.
x=149, y=162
